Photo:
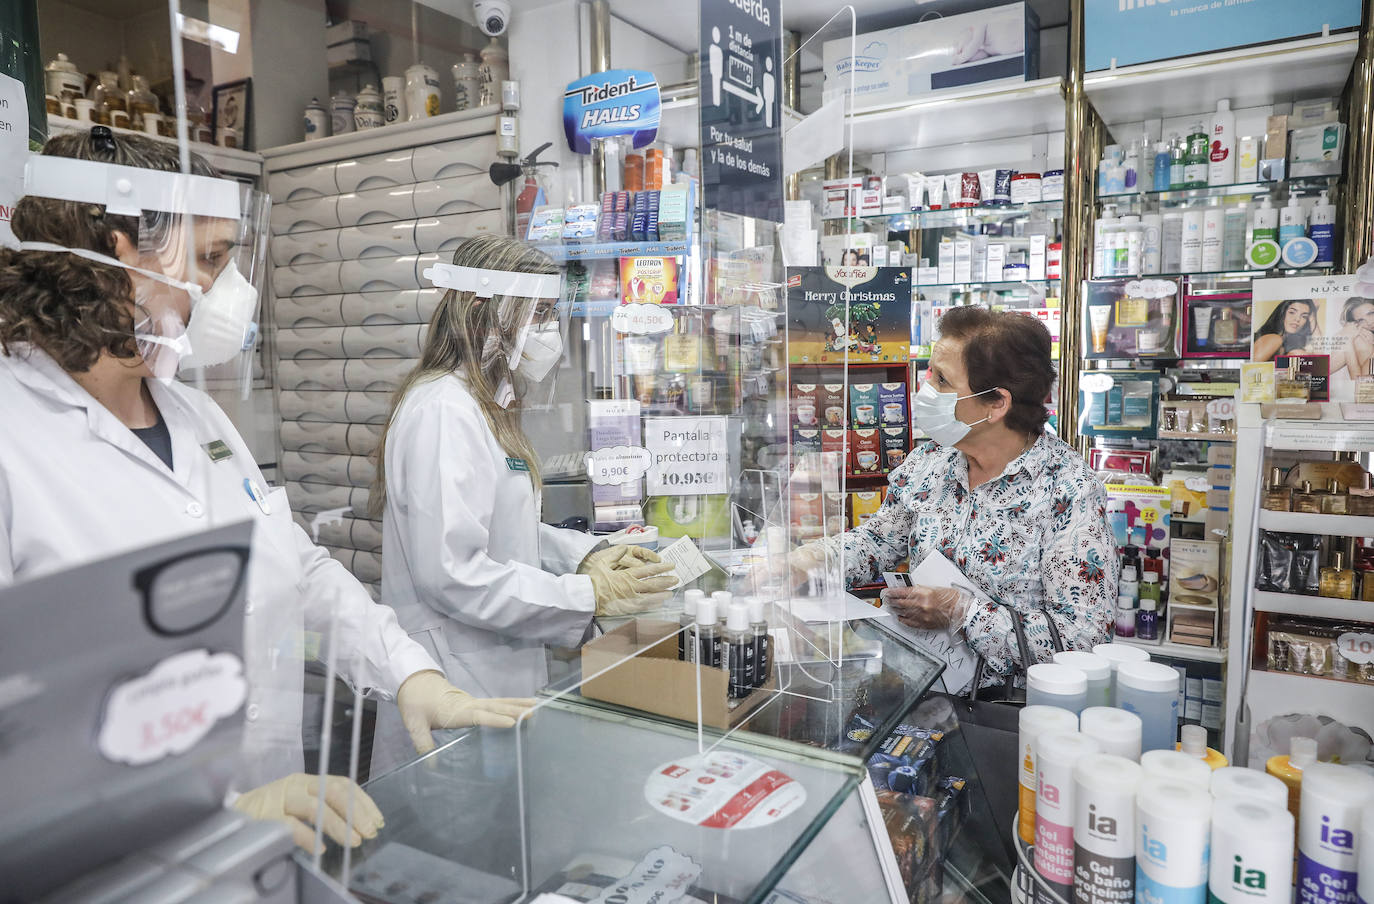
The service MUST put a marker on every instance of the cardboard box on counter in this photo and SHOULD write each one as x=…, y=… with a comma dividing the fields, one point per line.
x=657, y=681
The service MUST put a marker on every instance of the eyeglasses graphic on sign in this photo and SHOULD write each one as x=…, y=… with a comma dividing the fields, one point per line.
x=182, y=595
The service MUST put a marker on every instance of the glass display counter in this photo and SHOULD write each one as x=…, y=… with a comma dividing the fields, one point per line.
x=587, y=796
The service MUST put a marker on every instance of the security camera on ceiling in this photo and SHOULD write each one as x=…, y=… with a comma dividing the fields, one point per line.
x=493, y=16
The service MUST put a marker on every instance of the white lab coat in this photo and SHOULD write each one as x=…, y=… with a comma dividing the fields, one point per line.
x=470, y=570
x=77, y=485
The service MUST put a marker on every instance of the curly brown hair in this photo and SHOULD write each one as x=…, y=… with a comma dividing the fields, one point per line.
x=72, y=308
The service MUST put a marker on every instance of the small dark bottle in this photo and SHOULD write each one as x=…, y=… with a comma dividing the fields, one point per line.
x=709, y=647
x=763, y=643
x=739, y=651
x=686, y=636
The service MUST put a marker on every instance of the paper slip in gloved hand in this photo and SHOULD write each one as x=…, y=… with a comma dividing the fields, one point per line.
x=936, y=593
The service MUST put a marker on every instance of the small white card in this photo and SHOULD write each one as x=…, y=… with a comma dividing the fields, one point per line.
x=687, y=561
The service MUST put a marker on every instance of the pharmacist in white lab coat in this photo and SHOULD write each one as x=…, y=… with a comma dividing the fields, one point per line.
x=104, y=452
x=468, y=566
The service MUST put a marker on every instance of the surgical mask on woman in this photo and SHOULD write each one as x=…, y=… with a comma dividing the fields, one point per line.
x=933, y=412
x=221, y=317
x=542, y=351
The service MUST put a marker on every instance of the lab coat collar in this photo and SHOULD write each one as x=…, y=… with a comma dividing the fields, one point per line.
x=36, y=369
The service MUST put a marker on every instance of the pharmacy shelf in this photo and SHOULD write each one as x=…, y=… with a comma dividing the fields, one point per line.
x=1314, y=606
x=984, y=112
x=1248, y=77
x=1175, y=650
x=993, y=284
x=1304, y=184
x=596, y=251
x=1301, y=523
x=227, y=160
x=957, y=216
x=444, y=127
x=1225, y=274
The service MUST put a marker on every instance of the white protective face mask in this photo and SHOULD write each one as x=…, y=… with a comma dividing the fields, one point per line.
x=162, y=344
x=542, y=351
x=222, y=320
x=933, y=412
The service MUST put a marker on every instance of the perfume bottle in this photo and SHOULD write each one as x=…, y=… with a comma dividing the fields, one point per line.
x=1337, y=581
x=1361, y=500
x=1364, y=386
x=1334, y=500
x=1147, y=619
x=1367, y=586
x=1293, y=386
x=1279, y=498
x=1224, y=330
x=1308, y=502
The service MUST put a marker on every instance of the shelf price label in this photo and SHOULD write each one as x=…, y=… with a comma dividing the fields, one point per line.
x=1356, y=648
x=617, y=465
x=1222, y=409
x=641, y=319
x=690, y=456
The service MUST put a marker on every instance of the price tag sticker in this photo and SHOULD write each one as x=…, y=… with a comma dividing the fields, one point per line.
x=1222, y=409
x=617, y=465
x=1356, y=648
x=641, y=319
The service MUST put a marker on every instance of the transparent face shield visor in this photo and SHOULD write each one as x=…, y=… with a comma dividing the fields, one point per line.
x=200, y=264
x=530, y=336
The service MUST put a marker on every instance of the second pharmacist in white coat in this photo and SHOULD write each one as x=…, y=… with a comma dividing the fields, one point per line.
x=468, y=566
x=126, y=271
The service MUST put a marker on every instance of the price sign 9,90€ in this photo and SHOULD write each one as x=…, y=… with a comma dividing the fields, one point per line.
x=690, y=456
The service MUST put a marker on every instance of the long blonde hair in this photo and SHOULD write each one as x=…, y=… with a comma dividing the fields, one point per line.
x=474, y=336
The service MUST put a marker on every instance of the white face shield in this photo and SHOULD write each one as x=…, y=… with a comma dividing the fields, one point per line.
x=202, y=246
x=532, y=326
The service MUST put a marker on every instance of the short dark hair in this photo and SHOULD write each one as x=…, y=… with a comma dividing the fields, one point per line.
x=1006, y=350
x=73, y=308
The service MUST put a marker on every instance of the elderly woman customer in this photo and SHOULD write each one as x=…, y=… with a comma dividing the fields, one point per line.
x=1009, y=503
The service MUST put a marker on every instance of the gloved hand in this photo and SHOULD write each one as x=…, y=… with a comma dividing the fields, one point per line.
x=622, y=585
x=794, y=569
x=294, y=800
x=932, y=608
x=427, y=701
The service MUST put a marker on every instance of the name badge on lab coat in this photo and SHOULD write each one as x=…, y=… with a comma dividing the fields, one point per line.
x=517, y=464
x=218, y=450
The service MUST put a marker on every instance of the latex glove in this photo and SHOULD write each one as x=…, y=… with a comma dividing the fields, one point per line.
x=624, y=587
x=932, y=608
x=794, y=569
x=427, y=701
x=294, y=800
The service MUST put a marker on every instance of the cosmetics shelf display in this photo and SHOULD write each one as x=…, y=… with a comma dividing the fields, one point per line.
x=1303, y=577
x=1163, y=649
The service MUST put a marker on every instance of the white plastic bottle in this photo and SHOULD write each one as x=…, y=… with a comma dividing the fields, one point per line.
x=1190, y=258
x=1233, y=238
x=1104, y=828
x=1252, y=852
x=1333, y=800
x=1056, y=755
x=1032, y=723
x=1172, y=838
x=1171, y=242
x=1151, y=226
x=1117, y=731
x=1105, y=224
x=1248, y=784
x=1221, y=163
x=1292, y=222
x=1323, y=231
x=1265, y=224
x=1213, y=232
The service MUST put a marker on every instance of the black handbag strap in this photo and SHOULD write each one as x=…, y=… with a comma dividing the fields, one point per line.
x=1018, y=627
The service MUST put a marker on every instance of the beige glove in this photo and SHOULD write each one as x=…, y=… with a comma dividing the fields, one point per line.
x=627, y=579
x=427, y=701
x=294, y=800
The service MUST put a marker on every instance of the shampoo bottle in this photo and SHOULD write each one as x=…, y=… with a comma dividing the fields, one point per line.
x=1333, y=800
x=1194, y=743
x=1221, y=164
x=1162, y=165
x=1288, y=769
x=1195, y=162
x=1292, y=222
x=1265, y=225
x=1323, y=231
x=1178, y=153
x=1190, y=257
x=1213, y=231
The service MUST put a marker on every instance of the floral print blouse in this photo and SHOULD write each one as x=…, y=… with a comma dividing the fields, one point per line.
x=1036, y=539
